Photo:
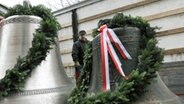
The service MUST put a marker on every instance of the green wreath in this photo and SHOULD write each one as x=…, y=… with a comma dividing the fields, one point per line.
x=44, y=37
x=149, y=61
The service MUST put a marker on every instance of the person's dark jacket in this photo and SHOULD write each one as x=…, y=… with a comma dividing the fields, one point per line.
x=78, y=51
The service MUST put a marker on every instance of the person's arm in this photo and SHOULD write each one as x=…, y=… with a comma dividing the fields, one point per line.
x=75, y=54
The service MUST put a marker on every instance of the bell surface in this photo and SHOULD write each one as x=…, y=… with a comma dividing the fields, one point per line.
x=48, y=83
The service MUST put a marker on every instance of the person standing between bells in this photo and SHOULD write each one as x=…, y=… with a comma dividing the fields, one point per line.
x=78, y=50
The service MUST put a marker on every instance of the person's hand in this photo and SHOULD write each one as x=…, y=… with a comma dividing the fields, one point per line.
x=77, y=63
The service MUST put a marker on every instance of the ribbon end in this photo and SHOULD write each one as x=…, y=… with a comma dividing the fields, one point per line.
x=130, y=58
x=126, y=77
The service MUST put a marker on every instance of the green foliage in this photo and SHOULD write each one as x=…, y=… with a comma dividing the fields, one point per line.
x=129, y=90
x=44, y=36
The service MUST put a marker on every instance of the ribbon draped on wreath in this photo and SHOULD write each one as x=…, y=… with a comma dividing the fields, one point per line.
x=106, y=37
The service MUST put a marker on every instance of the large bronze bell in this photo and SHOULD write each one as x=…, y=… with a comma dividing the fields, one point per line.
x=48, y=83
x=157, y=93
x=130, y=38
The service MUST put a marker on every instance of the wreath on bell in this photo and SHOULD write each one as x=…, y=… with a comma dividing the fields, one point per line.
x=149, y=61
x=44, y=37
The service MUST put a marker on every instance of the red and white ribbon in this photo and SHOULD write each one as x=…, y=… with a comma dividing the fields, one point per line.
x=106, y=37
